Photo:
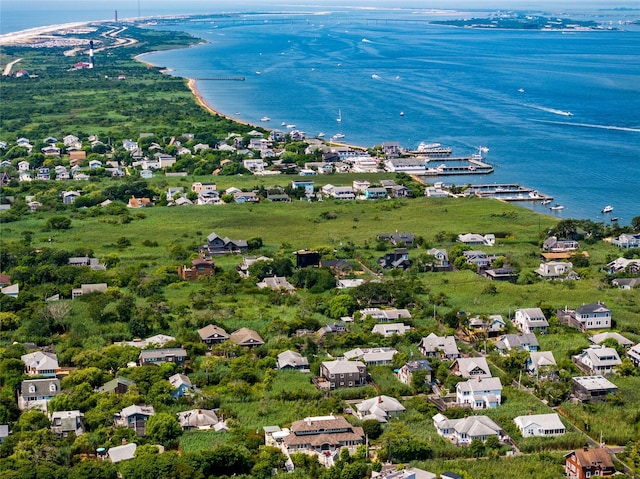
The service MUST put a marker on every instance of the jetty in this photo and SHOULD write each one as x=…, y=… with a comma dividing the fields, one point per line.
x=507, y=192
x=429, y=166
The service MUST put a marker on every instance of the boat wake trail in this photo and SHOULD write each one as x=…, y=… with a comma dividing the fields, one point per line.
x=551, y=110
x=589, y=125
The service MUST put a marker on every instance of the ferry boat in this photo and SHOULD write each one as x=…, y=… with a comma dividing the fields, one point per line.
x=556, y=207
x=607, y=209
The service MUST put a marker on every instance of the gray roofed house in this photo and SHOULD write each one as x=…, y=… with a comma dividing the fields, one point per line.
x=554, y=245
x=436, y=346
x=159, y=356
x=343, y=373
x=463, y=431
x=181, y=386
x=531, y=320
x=619, y=338
x=598, y=360
x=36, y=393
x=212, y=334
x=592, y=388
x=276, y=283
x=218, y=245
x=323, y=433
x=93, y=263
x=538, y=360
x=40, y=363
x=398, y=259
x=381, y=408
x=474, y=239
x=246, y=337
x=471, y=367
x=478, y=393
x=540, y=425
x=372, y=356
x=634, y=354
x=134, y=417
x=200, y=419
x=385, y=315
x=64, y=423
x=157, y=340
x=525, y=342
x=292, y=360
x=587, y=316
x=626, y=283
x=124, y=452
x=405, y=373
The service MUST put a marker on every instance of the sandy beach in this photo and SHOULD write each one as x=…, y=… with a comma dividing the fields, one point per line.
x=26, y=36
x=201, y=101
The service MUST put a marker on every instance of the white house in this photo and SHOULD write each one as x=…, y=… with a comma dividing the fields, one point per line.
x=554, y=269
x=531, y=320
x=372, y=356
x=473, y=239
x=385, y=315
x=540, y=425
x=463, y=431
x=598, y=360
x=538, y=360
x=471, y=368
x=389, y=329
x=627, y=240
x=380, y=408
x=479, y=393
x=434, y=345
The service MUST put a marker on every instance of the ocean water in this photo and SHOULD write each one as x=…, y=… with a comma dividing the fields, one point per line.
x=459, y=87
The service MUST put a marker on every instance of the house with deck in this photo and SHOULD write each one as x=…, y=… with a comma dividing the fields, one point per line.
x=531, y=320
x=479, y=393
x=545, y=425
x=463, y=431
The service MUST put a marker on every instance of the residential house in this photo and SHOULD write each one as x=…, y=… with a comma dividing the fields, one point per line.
x=479, y=393
x=381, y=408
x=36, y=393
x=463, y=431
x=278, y=197
x=276, y=283
x=332, y=328
x=306, y=185
x=246, y=337
x=631, y=266
x=323, y=434
x=68, y=197
x=598, y=360
x=627, y=240
x=125, y=452
x=592, y=388
x=523, y=342
x=401, y=191
x=64, y=423
x=23, y=166
x=585, y=463
x=138, y=202
x=245, y=197
x=88, y=289
x=586, y=317
x=119, y=385
x=634, y=354
x=471, y=368
x=385, y=315
x=41, y=363
x=4, y=432
x=339, y=267
x=389, y=329
x=441, y=259
x=372, y=356
x=473, y=239
x=361, y=186
x=200, y=420
x=212, y=334
x=399, y=259
x=159, y=356
x=349, y=283
x=156, y=341
x=392, y=149
x=95, y=164
x=305, y=258
x=43, y=173
x=93, y=263
x=199, y=267
x=626, y=283
x=405, y=373
x=478, y=258
x=375, y=193
x=531, y=320
x=181, y=385
x=619, y=338
x=398, y=239
x=134, y=417
x=554, y=245
x=540, y=362
x=493, y=326
x=390, y=472
x=292, y=360
x=218, y=245
x=505, y=273
x=556, y=270
x=439, y=347
x=342, y=373
x=247, y=261
x=342, y=193
x=12, y=290
x=540, y=425
x=72, y=141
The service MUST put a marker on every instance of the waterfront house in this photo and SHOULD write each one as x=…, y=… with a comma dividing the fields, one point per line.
x=592, y=388
x=463, y=431
x=40, y=363
x=471, y=368
x=524, y=342
x=399, y=259
x=540, y=361
x=199, y=267
x=292, y=360
x=479, y=393
x=159, y=356
x=64, y=423
x=439, y=347
x=134, y=417
x=385, y=315
x=587, y=316
x=587, y=463
x=531, y=320
x=381, y=408
x=212, y=334
x=323, y=435
x=36, y=393
x=540, y=425
x=389, y=329
x=246, y=337
x=627, y=240
x=554, y=245
x=598, y=360
x=405, y=373
x=342, y=373
x=372, y=356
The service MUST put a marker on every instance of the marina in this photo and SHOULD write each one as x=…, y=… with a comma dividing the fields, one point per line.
x=509, y=192
x=439, y=166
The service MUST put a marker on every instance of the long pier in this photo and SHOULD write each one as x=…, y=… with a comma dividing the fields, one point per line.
x=508, y=192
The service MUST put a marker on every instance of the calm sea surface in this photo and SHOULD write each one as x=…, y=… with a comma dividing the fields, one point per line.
x=507, y=90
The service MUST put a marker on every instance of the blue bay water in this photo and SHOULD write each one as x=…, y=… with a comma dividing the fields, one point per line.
x=456, y=86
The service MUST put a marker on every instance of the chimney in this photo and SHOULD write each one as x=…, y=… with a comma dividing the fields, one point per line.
x=379, y=399
x=585, y=448
x=124, y=441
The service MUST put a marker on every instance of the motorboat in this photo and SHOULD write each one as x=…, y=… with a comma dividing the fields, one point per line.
x=321, y=134
x=546, y=202
x=607, y=209
x=291, y=126
x=265, y=118
x=556, y=207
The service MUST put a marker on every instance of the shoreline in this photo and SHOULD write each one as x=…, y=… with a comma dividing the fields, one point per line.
x=191, y=84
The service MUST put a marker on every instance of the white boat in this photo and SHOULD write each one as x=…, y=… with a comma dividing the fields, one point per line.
x=483, y=149
x=556, y=207
x=546, y=202
x=321, y=134
x=291, y=126
x=339, y=119
x=338, y=136
x=375, y=77
x=265, y=118
x=521, y=90
x=401, y=113
x=607, y=209
x=428, y=146
x=283, y=123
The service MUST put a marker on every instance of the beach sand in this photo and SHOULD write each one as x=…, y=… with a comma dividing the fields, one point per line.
x=27, y=36
x=201, y=101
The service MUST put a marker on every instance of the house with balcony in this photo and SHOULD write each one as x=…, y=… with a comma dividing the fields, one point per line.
x=555, y=245
x=292, y=360
x=531, y=320
x=556, y=270
x=199, y=267
x=592, y=388
x=40, y=363
x=405, y=373
x=479, y=393
x=443, y=347
x=463, y=431
x=587, y=463
x=36, y=393
x=134, y=417
x=540, y=363
x=212, y=334
x=475, y=367
x=598, y=360
x=323, y=435
x=586, y=317
x=372, y=356
x=627, y=240
x=65, y=423
x=246, y=337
